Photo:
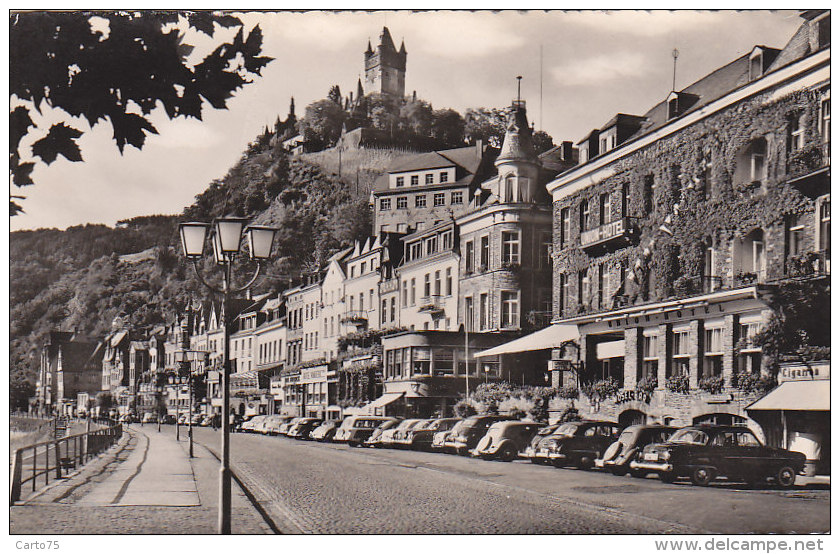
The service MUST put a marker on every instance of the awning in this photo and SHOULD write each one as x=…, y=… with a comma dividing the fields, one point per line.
x=551, y=337
x=383, y=400
x=796, y=395
x=607, y=350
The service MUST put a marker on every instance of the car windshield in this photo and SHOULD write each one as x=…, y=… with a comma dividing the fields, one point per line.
x=422, y=425
x=461, y=426
x=627, y=437
x=690, y=436
x=547, y=430
x=566, y=430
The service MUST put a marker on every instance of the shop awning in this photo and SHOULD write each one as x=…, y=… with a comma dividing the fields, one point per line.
x=797, y=395
x=551, y=337
x=383, y=400
x=607, y=350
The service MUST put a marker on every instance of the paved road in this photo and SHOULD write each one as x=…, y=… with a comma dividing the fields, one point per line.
x=327, y=488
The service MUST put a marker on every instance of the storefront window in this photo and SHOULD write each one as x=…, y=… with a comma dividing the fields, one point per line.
x=422, y=360
x=443, y=362
x=680, y=356
x=650, y=358
x=713, y=356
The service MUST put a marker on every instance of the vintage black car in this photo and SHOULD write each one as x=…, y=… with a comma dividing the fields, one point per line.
x=531, y=450
x=618, y=456
x=420, y=436
x=703, y=453
x=577, y=443
x=506, y=439
x=466, y=433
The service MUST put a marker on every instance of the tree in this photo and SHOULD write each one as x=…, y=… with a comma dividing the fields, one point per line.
x=104, y=401
x=543, y=142
x=115, y=67
x=20, y=391
x=486, y=124
x=335, y=94
x=384, y=111
x=448, y=127
x=322, y=122
x=416, y=116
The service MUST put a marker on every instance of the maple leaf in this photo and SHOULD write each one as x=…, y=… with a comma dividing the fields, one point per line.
x=60, y=140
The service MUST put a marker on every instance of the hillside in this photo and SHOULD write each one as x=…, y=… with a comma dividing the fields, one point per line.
x=85, y=276
x=359, y=167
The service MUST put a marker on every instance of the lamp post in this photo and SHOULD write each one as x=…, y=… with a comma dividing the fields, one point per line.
x=227, y=234
x=187, y=357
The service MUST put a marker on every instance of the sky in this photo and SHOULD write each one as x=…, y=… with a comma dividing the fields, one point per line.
x=594, y=65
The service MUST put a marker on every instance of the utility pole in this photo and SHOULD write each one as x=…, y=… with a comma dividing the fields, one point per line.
x=675, y=54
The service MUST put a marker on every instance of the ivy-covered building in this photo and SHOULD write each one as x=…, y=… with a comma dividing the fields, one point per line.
x=689, y=239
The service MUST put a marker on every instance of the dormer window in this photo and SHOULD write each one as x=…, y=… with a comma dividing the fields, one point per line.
x=756, y=64
x=415, y=180
x=400, y=181
x=673, y=107
x=823, y=31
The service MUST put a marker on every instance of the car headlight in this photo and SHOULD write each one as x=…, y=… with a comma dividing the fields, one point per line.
x=665, y=455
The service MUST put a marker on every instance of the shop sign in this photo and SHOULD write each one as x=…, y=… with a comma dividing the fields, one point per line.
x=314, y=375
x=603, y=233
x=632, y=395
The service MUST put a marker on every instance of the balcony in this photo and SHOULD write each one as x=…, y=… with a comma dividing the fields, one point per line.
x=610, y=235
x=809, y=264
x=432, y=305
x=357, y=317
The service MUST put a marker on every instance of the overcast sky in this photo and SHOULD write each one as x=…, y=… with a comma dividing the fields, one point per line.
x=593, y=65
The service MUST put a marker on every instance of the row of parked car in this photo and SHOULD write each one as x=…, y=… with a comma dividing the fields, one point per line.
x=701, y=453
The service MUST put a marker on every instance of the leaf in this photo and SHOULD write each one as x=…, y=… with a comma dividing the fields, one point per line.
x=21, y=172
x=60, y=140
x=130, y=128
x=19, y=123
x=14, y=207
x=201, y=21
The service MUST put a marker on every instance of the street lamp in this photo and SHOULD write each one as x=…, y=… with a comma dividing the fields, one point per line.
x=226, y=241
x=187, y=357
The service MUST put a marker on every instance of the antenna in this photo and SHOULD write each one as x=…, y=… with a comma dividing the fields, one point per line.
x=518, y=88
x=541, y=89
x=675, y=54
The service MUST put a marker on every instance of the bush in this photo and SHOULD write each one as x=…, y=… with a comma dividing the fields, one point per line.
x=606, y=388
x=712, y=384
x=754, y=382
x=464, y=408
x=678, y=383
x=648, y=384
x=492, y=393
x=569, y=414
x=568, y=392
x=517, y=413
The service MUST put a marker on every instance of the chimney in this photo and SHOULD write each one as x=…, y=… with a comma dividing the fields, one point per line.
x=479, y=146
x=566, y=150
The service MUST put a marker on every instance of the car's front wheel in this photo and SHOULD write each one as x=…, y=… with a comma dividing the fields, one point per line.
x=702, y=476
x=619, y=470
x=667, y=477
x=507, y=454
x=786, y=477
x=638, y=473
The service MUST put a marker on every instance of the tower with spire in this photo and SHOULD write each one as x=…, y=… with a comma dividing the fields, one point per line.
x=385, y=67
x=517, y=163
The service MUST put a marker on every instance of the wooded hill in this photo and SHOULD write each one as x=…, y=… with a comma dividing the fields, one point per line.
x=76, y=279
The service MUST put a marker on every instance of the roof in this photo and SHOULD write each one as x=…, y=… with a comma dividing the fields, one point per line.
x=517, y=144
x=78, y=356
x=798, y=396
x=428, y=160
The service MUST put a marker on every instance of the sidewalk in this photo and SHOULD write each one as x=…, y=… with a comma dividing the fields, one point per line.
x=147, y=484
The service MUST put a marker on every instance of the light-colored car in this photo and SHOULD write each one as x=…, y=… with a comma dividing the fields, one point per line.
x=391, y=437
x=375, y=440
x=303, y=428
x=355, y=430
x=325, y=432
x=250, y=425
x=618, y=456
x=150, y=417
x=288, y=424
x=421, y=436
x=504, y=440
x=273, y=424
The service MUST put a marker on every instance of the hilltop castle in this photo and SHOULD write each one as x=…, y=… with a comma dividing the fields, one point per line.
x=385, y=67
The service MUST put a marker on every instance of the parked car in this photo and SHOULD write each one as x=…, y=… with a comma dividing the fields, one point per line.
x=390, y=437
x=375, y=439
x=504, y=440
x=325, y=432
x=249, y=424
x=355, y=430
x=182, y=419
x=466, y=434
x=619, y=454
x=273, y=424
x=150, y=417
x=169, y=419
x=303, y=428
x=439, y=438
x=530, y=451
x=577, y=443
x=704, y=453
x=421, y=436
x=196, y=419
x=207, y=420
x=284, y=428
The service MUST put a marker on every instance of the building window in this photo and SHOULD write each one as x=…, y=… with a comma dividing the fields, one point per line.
x=711, y=282
x=456, y=197
x=430, y=178
x=482, y=312
x=510, y=247
x=565, y=227
x=546, y=247
x=795, y=236
x=431, y=245
x=402, y=202
x=440, y=199
x=756, y=66
x=749, y=356
x=427, y=284
x=400, y=181
x=796, y=140
x=648, y=194
x=583, y=290
x=510, y=309
x=824, y=227
x=437, y=283
x=584, y=215
x=405, y=294
x=413, y=291
x=384, y=204
x=713, y=352
x=393, y=309
x=446, y=241
x=415, y=251
x=680, y=353
x=444, y=177
x=604, y=216
x=564, y=294
x=448, y=281
x=824, y=31
x=469, y=256
x=363, y=269
x=415, y=179
x=485, y=253
x=602, y=270
x=650, y=358
x=825, y=117
x=420, y=201
x=625, y=192
x=469, y=314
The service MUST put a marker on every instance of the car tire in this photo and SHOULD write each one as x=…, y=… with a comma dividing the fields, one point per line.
x=584, y=463
x=667, y=477
x=619, y=471
x=638, y=473
x=786, y=477
x=535, y=460
x=507, y=454
x=702, y=476
x=557, y=462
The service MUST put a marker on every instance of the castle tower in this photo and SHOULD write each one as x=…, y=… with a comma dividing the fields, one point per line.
x=385, y=67
x=517, y=162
